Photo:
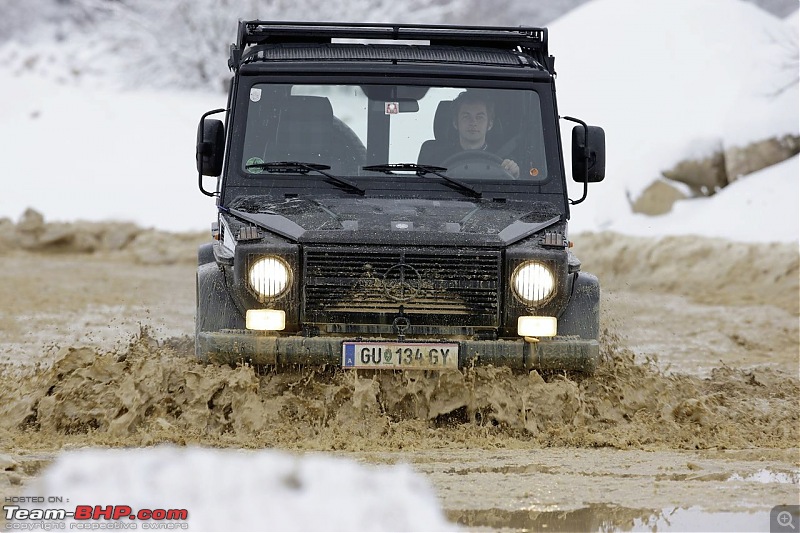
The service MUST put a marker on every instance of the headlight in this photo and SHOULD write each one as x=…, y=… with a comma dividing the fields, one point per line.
x=269, y=276
x=533, y=282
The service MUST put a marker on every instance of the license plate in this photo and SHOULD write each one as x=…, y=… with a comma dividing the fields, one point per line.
x=400, y=355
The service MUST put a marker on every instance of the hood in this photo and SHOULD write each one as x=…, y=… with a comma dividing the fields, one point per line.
x=396, y=221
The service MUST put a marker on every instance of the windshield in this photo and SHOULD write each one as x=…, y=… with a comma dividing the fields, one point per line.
x=476, y=134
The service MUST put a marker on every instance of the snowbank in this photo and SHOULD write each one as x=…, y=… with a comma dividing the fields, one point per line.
x=99, y=154
x=225, y=490
x=666, y=79
x=669, y=81
x=762, y=207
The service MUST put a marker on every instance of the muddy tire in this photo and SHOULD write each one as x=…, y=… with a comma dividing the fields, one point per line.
x=216, y=310
x=582, y=315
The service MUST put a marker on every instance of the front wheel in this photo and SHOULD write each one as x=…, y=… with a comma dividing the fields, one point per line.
x=216, y=309
x=582, y=315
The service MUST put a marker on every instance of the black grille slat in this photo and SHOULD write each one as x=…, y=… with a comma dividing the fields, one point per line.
x=332, y=284
x=441, y=287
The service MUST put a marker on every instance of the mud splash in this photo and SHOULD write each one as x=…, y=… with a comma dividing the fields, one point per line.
x=153, y=391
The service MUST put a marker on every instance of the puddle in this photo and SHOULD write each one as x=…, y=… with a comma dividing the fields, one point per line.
x=607, y=518
x=507, y=469
x=768, y=476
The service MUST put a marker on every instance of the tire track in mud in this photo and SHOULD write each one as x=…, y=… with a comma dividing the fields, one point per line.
x=154, y=391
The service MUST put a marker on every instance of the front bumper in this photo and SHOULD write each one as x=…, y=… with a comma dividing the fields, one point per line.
x=557, y=353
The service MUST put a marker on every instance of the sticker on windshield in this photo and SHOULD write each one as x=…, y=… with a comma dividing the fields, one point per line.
x=392, y=108
x=252, y=165
x=255, y=94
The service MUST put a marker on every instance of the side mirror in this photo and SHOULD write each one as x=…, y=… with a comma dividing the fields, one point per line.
x=210, y=146
x=588, y=149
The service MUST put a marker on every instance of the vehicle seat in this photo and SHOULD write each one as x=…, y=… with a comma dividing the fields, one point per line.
x=436, y=150
x=304, y=131
x=496, y=137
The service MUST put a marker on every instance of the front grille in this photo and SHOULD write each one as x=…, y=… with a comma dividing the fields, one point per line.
x=434, y=287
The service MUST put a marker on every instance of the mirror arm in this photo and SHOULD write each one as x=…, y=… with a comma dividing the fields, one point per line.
x=203, y=148
x=585, y=159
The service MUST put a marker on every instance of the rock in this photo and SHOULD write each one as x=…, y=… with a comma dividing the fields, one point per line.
x=85, y=242
x=118, y=236
x=31, y=221
x=703, y=176
x=707, y=175
x=151, y=247
x=154, y=248
x=7, y=232
x=740, y=161
x=7, y=462
x=56, y=235
x=657, y=198
x=59, y=237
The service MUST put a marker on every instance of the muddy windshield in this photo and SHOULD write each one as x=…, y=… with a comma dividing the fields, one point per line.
x=476, y=134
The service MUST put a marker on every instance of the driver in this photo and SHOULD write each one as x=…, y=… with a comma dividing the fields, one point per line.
x=473, y=118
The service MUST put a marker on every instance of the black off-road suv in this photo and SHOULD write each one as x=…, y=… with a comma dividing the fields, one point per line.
x=394, y=197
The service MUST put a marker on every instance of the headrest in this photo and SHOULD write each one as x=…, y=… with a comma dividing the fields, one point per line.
x=443, y=121
x=308, y=108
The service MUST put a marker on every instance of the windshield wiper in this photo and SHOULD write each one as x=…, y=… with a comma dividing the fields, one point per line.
x=305, y=168
x=422, y=170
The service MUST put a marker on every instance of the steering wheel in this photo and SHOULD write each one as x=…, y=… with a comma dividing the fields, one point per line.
x=463, y=159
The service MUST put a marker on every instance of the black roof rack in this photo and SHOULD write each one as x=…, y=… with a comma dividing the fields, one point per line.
x=526, y=39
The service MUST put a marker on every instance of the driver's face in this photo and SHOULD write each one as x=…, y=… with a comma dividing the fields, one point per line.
x=472, y=124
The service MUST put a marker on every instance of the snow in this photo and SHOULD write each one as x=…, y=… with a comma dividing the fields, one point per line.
x=236, y=490
x=674, y=80
x=93, y=154
x=667, y=80
x=763, y=207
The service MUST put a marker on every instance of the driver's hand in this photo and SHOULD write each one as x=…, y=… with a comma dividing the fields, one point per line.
x=511, y=167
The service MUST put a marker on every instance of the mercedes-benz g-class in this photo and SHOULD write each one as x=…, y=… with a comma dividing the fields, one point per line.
x=394, y=197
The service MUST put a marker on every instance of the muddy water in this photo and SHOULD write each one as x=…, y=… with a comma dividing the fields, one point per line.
x=693, y=413
x=153, y=391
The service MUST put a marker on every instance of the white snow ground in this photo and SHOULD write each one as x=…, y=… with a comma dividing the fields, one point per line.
x=237, y=490
x=666, y=79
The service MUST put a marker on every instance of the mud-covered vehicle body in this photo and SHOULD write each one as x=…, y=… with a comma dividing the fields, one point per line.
x=341, y=240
